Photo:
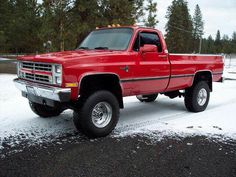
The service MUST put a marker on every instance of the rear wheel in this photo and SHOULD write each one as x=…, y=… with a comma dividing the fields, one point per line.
x=197, y=97
x=44, y=110
x=99, y=114
x=147, y=98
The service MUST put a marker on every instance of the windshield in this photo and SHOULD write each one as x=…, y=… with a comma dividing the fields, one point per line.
x=110, y=39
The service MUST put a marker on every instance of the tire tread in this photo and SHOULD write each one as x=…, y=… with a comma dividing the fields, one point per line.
x=191, y=94
x=82, y=120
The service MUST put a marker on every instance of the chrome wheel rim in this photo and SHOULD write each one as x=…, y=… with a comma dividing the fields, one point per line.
x=202, y=97
x=101, y=114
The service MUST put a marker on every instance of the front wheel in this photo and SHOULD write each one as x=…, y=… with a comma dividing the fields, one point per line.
x=197, y=97
x=147, y=98
x=99, y=114
x=45, y=111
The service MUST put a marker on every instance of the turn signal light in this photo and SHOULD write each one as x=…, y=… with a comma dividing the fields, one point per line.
x=71, y=84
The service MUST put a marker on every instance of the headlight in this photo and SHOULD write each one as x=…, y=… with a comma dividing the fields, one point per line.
x=58, y=69
x=57, y=74
x=58, y=80
x=18, y=68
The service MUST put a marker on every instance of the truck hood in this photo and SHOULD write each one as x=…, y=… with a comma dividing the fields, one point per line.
x=67, y=56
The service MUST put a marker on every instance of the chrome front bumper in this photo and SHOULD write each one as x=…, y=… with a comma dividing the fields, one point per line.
x=48, y=92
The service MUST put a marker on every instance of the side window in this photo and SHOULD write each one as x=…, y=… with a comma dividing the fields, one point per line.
x=150, y=38
x=136, y=44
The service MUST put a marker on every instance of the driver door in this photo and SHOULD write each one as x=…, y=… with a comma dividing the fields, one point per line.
x=152, y=72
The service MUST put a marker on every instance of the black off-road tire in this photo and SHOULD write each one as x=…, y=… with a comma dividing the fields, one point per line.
x=45, y=111
x=83, y=116
x=191, y=97
x=147, y=98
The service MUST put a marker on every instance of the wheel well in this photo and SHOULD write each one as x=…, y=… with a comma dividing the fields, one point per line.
x=110, y=82
x=203, y=76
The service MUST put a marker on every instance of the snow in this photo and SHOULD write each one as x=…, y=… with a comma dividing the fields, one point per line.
x=2, y=59
x=17, y=119
x=230, y=69
x=171, y=117
x=166, y=116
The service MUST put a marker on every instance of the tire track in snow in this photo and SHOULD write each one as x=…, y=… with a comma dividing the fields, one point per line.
x=134, y=126
x=162, y=120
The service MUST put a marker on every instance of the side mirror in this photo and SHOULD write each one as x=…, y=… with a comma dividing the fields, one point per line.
x=148, y=48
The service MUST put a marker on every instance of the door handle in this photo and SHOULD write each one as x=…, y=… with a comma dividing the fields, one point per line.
x=126, y=68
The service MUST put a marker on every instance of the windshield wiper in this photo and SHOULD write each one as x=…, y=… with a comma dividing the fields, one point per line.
x=83, y=48
x=101, y=48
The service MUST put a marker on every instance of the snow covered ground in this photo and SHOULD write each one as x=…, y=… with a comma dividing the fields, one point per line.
x=3, y=59
x=169, y=117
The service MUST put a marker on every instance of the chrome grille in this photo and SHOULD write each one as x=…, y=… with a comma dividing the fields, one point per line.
x=36, y=77
x=27, y=65
x=28, y=70
x=37, y=66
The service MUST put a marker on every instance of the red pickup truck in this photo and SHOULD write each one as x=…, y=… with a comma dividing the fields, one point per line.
x=109, y=64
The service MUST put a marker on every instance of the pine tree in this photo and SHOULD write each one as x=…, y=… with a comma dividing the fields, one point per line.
x=226, y=47
x=197, y=28
x=57, y=24
x=5, y=18
x=204, y=45
x=233, y=43
x=99, y=13
x=86, y=15
x=152, y=10
x=62, y=21
x=47, y=31
x=121, y=12
x=24, y=27
x=179, y=27
x=210, y=47
x=218, y=43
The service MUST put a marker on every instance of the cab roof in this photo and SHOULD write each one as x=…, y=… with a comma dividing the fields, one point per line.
x=135, y=27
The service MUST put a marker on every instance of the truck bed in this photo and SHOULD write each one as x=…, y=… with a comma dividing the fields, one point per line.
x=185, y=66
